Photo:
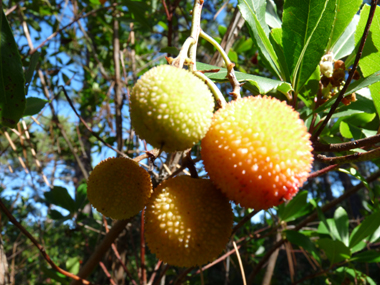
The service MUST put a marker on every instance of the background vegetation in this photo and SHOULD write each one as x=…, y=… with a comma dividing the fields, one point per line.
x=86, y=56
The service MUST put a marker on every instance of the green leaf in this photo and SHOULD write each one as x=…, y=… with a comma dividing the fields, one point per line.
x=370, y=60
x=12, y=82
x=53, y=274
x=81, y=196
x=364, y=82
x=348, y=131
x=355, y=276
x=34, y=105
x=304, y=242
x=276, y=39
x=139, y=10
x=60, y=197
x=366, y=228
x=271, y=17
x=254, y=14
x=369, y=256
x=294, y=207
x=346, y=43
x=346, y=9
x=306, y=31
x=375, y=94
x=256, y=84
x=335, y=250
x=341, y=222
x=56, y=215
x=30, y=71
x=72, y=265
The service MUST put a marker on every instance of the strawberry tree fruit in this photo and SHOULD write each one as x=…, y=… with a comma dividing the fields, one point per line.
x=188, y=221
x=119, y=188
x=171, y=108
x=257, y=151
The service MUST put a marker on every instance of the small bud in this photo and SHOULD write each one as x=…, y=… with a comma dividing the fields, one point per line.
x=346, y=101
x=325, y=81
x=339, y=64
x=326, y=65
x=356, y=75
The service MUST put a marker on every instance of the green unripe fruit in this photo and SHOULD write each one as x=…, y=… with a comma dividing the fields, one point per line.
x=171, y=108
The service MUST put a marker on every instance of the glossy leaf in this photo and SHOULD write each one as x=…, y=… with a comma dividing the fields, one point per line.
x=342, y=223
x=254, y=14
x=294, y=207
x=335, y=250
x=370, y=256
x=12, y=93
x=370, y=60
x=276, y=40
x=72, y=265
x=346, y=42
x=304, y=242
x=34, y=105
x=271, y=16
x=60, y=197
x=306, y=30
x=346, y=9
x=363, y=82
x=262, y=84
x=30, y=71
x=366, y=228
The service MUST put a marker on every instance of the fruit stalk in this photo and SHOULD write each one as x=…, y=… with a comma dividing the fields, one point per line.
x=230, y=65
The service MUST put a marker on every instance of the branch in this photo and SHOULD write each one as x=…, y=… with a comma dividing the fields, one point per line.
x=337, y=147
x=85, y=124
x=13, y=220
x=359, y=156
x=69, y=24
x=351, y=74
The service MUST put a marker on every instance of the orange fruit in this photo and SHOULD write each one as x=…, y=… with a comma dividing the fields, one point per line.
x=257, y=151
x=119, y=188
x=188, y=221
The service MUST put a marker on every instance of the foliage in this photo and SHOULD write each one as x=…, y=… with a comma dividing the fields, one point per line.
x=61, y=56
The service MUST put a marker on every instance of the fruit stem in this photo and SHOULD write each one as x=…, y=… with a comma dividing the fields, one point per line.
x=229, y=64
x=214, y=89
x=182, y=56
x=195, y=31
x=188, y=50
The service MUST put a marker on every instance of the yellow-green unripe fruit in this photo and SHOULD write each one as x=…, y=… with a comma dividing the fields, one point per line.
x=171, y=108
x=188, y=221
x=119, y=188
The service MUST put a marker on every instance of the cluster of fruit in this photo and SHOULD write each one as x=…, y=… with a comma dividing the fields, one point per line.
x=256, y=151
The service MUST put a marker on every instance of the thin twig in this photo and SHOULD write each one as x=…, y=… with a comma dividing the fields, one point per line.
x=322, y=171
x=106, y=273
x=69, y=24
x=358, y=156
x=13, y=220
x=338, y=147
x=116, y=252
x=351, y=74
x=85, y=124
x=240, y=263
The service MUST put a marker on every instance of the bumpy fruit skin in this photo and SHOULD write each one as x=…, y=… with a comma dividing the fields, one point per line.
x=257, y=151
x=187, y=221
x=119, y=188
x=171, y=108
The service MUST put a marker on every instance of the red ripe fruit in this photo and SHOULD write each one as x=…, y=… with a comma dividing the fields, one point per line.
x=257, y=152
